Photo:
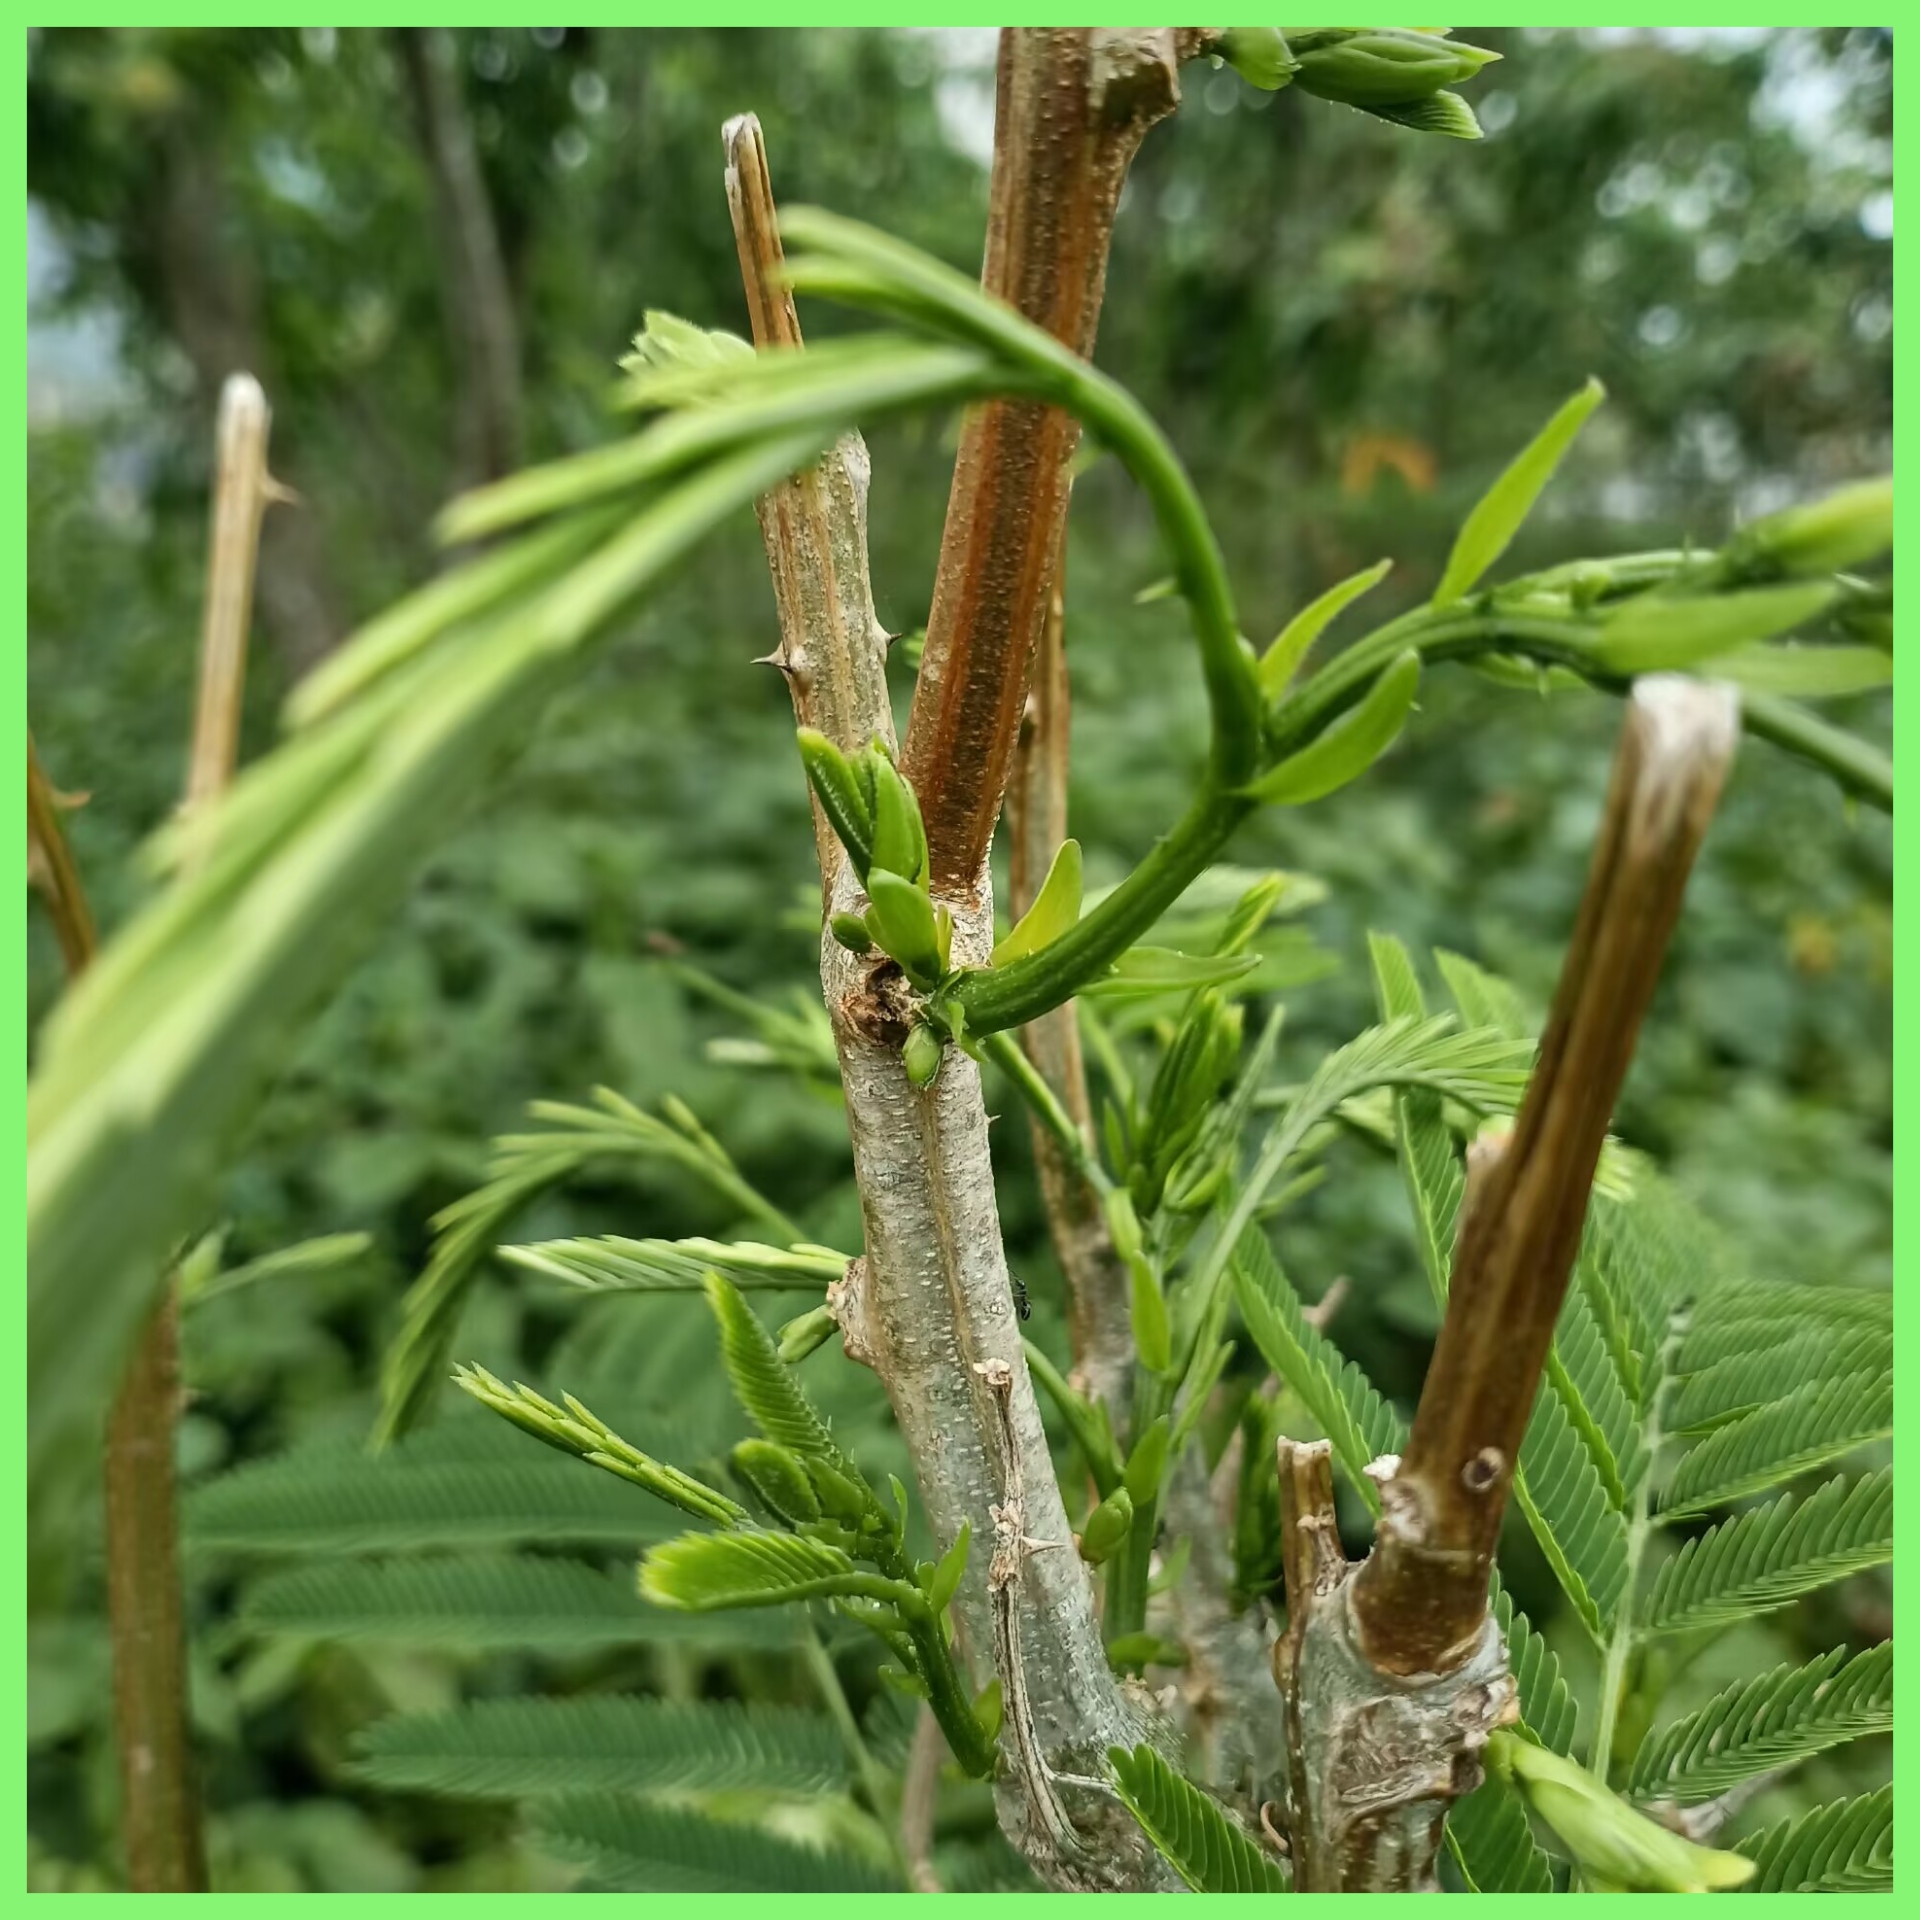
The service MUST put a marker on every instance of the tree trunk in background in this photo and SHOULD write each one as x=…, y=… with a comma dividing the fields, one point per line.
x=475, y=296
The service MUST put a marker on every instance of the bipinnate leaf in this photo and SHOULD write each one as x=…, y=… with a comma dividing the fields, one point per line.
x=1767, y=1556
x=1189, y=1831
x=1768, y=1723
x=1845, y=1846
x=699, y=1572
x=514, y=1748
x=1504, y=507
x=639, y=1846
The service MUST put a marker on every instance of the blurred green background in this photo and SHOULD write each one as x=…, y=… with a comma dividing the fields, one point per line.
x=1346, y=330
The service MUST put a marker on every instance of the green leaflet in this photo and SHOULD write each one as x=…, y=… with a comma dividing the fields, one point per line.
x=1056, y=907
x=575, y=1429
x=1843, y=1847
x=521, y=1168
x=614, y=1265
x=899, y=839
x=508, y=1602
x=1655, y=633
x=633, y=1846
x=1189, y=1830
x=506, y=1749
x=1770, y=1555
x=841, y=796
x=1819, y=1422
x=1281, y=661
x=1442, y=112
x=1806, y=673
x=1504, y=507
x=1350, y=746
x=1768, y=1722
x=1149, y=970
x=901, y=921
x=749, y=1568
x=1741, y=1382
x=763, y=1383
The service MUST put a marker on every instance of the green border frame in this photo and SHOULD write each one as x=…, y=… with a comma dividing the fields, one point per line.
x=832, y=13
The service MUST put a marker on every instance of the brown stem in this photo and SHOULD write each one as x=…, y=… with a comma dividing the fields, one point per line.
x=1037, y=823
x=1373, y=1763
x=929, y=1305
x=919, y=1801
x=50, y=861
x=145, y=1610
x=474, y=294
x=1073, y=104
x=1422, y=1597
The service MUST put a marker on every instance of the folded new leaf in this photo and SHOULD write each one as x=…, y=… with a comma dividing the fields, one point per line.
x=1658, y=633
x=1055, y=909
x=1282, y=660
x=1617, y=1847
x=1504, y=507
x=1351, y=745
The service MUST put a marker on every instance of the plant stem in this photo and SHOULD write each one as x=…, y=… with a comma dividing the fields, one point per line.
x=146, y=1614
x=1073, y=105
x=1049, y=1114
x=934, y=1315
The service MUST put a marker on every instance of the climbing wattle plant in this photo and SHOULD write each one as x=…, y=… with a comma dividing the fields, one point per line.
x=1074, y=1576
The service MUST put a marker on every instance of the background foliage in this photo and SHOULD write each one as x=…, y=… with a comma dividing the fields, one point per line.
x=1345, y=331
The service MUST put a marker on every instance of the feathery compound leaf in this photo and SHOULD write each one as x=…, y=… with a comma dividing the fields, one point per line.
x=1491, y=1840
x=523, y=1167
x=499, y=1601
x=614, y=1265
x=1504, y=507
x=700, y=1572
x=1770, y=1721
x=763, y=1383
x=634, y=1847
x=1189, y=1830
x=502, y=1749
x=162, y=1050
x=1349, y=1412
x=1750, y=1317
x=1773, y=1554
x=1350, y=746
x=1581, y=1531
x=1056, y=907
x=342, y=1499
x=1281, y=661
x=1774, y=1443
x=576, y=1430
x=1744, y=1381
x=1844, y=1847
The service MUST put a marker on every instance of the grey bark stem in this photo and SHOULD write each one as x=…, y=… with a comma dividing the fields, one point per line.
x=932, y=1312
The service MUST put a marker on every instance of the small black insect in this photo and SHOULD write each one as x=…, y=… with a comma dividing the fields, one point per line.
x=1021, y=1304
